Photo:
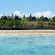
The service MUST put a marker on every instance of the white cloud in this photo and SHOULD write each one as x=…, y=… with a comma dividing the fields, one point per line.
x=0, y=15
x=16, y=13
x=45, y=14
x=25, y=15
x=53, y=15
x=37, y=14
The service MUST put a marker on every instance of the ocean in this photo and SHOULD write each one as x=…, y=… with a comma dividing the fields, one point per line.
x=27, y=45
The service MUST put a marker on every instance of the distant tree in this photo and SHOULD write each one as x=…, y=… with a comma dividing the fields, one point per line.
x=24, y=16
x=53, y=18
x=42, y=18
x=30, y=17
x=12, y=15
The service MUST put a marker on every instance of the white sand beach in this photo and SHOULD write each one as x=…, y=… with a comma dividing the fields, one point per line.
x=27, y=32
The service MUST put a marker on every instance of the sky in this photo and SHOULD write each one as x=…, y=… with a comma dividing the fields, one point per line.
x=35, y=7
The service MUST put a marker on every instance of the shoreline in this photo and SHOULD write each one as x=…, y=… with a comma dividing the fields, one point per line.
x=27, y=32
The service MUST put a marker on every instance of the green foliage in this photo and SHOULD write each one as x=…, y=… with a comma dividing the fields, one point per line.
x=25, y=19
x=30, y=17
x=38, y=19
x=51, y=20
x=42, y=18
x=53, y=23
x=27, y=22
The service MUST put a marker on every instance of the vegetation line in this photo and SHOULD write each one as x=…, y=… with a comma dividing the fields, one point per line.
x=26, y=23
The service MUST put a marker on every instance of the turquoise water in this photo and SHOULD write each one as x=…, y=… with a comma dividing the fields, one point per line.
x=27, y=45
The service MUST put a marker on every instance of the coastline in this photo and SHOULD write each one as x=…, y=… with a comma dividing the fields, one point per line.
x=27, y=32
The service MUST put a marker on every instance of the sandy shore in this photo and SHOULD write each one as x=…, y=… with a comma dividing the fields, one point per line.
x=27, y=32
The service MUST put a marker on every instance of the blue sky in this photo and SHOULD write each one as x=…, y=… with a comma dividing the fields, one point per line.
x=26, y=6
